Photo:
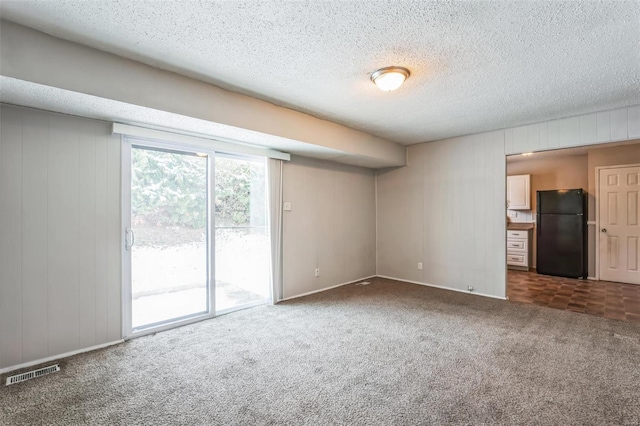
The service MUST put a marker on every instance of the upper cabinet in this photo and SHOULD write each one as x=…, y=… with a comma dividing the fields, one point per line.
x=518, y=192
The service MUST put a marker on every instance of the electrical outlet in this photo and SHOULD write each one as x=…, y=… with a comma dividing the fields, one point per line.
x=470, y=288
x=420, y=266
x=317, y=272
x=286, y=206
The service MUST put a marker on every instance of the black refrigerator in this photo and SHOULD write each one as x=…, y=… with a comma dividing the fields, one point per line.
x=562, y=233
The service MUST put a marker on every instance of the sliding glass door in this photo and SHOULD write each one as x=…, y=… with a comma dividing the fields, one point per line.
x=168, y=236
x=196, y=234
x=241, y=233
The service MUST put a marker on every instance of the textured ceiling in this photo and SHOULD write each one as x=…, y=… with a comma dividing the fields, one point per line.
x=475, y=66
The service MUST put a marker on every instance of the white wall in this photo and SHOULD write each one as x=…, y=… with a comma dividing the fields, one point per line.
x=60, y=267
x=331, y=225
x=446, y=210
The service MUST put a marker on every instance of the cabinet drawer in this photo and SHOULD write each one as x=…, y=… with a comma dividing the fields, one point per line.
x=517, y=259
x=516, y=245
x=518, y=234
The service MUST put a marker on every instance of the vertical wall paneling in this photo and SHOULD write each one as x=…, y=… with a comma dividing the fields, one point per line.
x=63, y=235
x=328, y=224
x=495, y=220
x=87, y=234
x=300, y=255
x=634, y=122
x=10, y=237
x=59, y=235
x=35, y=294
x=449, y=206
x=102, y=237
x=553, y=134
x=114, y=244
x=481, y=207
x=521, y=139
x=508, y=142
x=533, y=136
x=544, y=137
x=568, y=132
x=603, y=125
x=619, y=124
x=331, y=225
x=588, y=129
x=462, y=182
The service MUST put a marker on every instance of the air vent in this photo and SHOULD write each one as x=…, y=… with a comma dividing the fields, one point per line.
x=32, y=374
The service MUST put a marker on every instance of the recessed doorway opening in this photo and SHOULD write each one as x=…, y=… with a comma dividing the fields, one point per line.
x=540, y=258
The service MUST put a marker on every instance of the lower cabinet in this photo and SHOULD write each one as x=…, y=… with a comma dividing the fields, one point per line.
x=519, y=252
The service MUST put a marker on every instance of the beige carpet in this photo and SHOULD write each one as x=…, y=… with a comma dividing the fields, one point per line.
x=388, y=353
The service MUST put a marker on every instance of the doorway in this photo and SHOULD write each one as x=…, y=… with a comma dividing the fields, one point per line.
x=610, y=176
x=196, y=234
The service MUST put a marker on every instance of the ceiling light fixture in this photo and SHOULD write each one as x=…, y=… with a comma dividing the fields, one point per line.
x=526, y=154
x=390, y=78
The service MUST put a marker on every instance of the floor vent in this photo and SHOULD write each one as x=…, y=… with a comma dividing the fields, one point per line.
x=32, y=374
x=363, y=283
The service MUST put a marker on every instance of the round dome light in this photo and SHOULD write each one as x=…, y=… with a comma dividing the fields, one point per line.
x=390, y=78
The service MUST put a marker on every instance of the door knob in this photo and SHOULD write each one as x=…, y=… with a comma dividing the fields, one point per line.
x=604, y=230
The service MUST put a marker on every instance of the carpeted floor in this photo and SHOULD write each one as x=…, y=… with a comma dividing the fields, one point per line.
x=385, y=354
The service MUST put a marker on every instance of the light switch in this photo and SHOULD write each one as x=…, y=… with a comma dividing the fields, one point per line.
x=287, y=206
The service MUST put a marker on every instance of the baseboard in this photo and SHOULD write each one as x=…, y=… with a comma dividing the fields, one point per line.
x=58, y=357
x=593, y=279
x=444, y=288
x=326, y=289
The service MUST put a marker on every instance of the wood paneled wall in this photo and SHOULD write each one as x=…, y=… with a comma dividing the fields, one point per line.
x=446, y=208
x=588, y=129
x=331, y=225
x=60, y=264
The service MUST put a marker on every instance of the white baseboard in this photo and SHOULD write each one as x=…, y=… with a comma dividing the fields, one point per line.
x=593, y=278
x=57, y=357
x=445, y=288
x=327, y=288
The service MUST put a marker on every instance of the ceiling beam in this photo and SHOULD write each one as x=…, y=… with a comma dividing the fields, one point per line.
x=33, y=56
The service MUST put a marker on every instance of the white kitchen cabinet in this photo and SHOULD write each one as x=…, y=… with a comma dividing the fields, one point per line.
x=519, y=251
x=519, y=192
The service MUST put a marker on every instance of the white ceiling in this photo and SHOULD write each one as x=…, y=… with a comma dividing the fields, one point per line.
x=476, y=66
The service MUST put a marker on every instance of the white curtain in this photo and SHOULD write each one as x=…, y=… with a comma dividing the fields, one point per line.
x=275, y=226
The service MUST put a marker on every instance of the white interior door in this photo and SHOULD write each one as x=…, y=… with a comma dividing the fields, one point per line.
x=619, y=221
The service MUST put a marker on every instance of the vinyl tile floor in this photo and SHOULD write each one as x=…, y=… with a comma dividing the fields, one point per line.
x=600, y=298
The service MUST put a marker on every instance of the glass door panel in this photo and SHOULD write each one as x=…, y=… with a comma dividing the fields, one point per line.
x=242, y=255
x=169, y=254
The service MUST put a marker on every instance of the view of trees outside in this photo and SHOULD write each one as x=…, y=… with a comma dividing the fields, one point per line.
x=242, y=241
x=169, y=218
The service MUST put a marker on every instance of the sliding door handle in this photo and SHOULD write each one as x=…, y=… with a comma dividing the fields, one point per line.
x=129, y=238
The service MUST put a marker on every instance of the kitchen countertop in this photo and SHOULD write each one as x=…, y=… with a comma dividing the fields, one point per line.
x=520, y=226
